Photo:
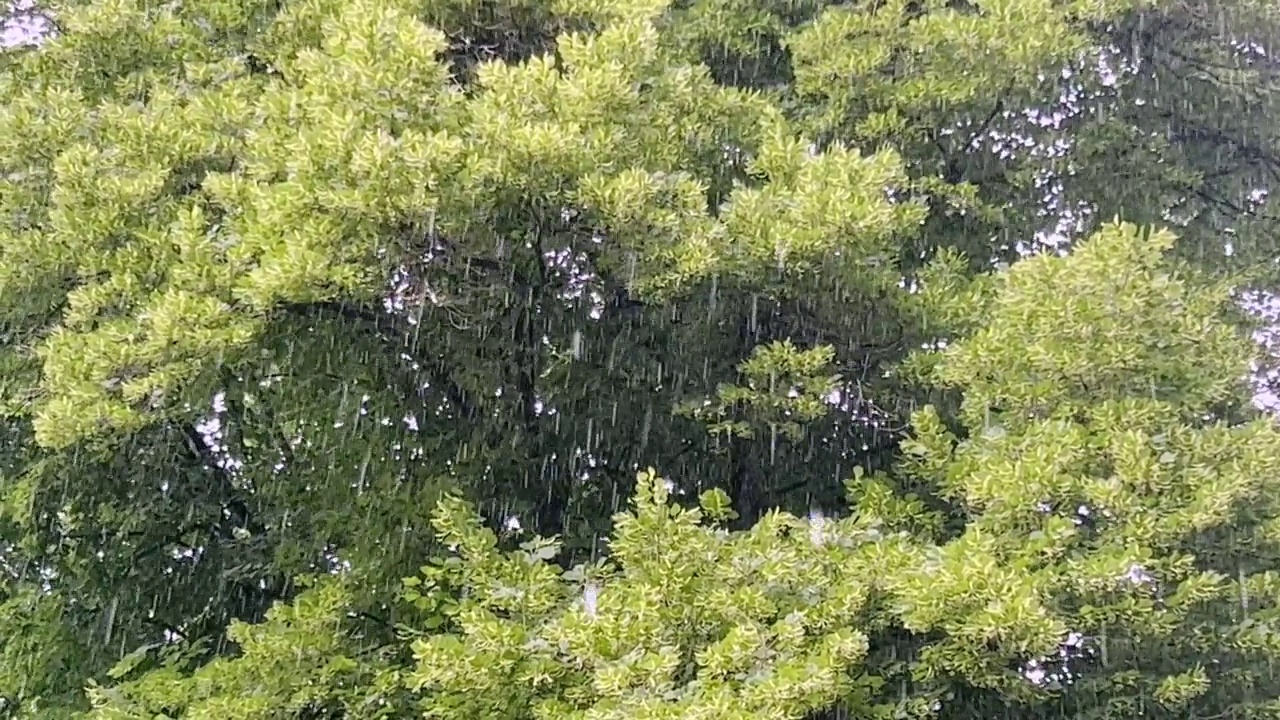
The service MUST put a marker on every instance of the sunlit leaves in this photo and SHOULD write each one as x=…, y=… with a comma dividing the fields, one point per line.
x=876, y=73
x=214, y=196
x=154, y=222
x=766, y=617
x=295, y=662
x=1092, y=458
x=1084, y=329
x=784, y=388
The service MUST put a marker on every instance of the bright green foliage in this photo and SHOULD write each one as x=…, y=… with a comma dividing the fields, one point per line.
x=1096, y=453
x=1116, y=324
x=786, y=389
x=732, y=626
x=710, y=237
x=311, y=167
x=793, y=616
x=841, y=58
x=292, y=665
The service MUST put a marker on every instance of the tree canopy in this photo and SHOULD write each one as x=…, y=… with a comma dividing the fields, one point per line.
x=611, y=359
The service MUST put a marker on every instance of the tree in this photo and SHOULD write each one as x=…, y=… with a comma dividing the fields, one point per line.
x=1086, y=504
x=278, y=275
